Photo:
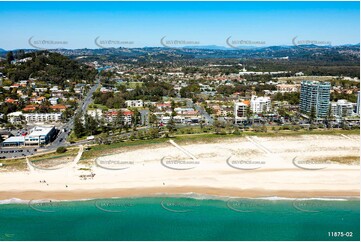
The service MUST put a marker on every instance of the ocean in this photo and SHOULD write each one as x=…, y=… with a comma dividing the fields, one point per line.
x=182, y=218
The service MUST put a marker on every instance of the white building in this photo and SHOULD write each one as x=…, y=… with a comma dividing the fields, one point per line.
x=358, y=103
x=40, y=135
x=342, y=108
x=134, y=103
x=15, y=117
x=240, y=112
x=95, y=113
x=288, y=88
x=260, y=104
x=42, y=117
x=53, y=100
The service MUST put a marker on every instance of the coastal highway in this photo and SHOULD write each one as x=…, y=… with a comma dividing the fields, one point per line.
x=63, y=135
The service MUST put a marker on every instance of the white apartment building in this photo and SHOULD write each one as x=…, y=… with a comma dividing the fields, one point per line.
x=134, y=103
x=95, y=113
x=240, y=112
x=15, y=117
x=260, y=104
x=342, y=108
x=42, y=117
x=358, y=103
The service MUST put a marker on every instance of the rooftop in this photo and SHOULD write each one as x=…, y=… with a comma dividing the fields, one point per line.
x=15, y=139
x=40, y=131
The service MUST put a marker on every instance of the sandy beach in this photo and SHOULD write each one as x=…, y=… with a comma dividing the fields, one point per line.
x=289, y=166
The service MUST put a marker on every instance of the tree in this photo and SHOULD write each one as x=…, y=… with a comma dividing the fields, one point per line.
x=171, y=125
x=10, y=57
x=91, y=124
x=312, y=114
x=61, y=149
x=328, y=117
x=78, y=127
x=135, y=119
x=152, y=120
x=119, y=121
x=248, y=113
x=217, y=125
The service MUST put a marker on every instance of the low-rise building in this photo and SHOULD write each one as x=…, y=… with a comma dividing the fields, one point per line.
x=58, y=107
x=42, y=117
x=15, y=117
x=134, y=103
x=40, y=135
x=288, y=88
x=14, y=141
x=53, y=100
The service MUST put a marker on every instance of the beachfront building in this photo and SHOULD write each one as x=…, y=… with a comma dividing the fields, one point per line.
x=260, y=104
x=342, y=108
x=14, y=141
x=36, y=136
x=358, y=103
x=240, y=111
x=124, y=114
x=315, y=95
x=40, y=135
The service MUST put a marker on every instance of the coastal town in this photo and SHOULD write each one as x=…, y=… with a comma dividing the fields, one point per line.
x=180, y=121
x=128, y=102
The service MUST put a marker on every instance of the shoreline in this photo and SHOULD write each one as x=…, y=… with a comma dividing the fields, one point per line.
x=147, y=173
x=192, y=192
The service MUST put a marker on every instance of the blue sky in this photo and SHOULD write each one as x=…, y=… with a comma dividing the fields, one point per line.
x=78, y=24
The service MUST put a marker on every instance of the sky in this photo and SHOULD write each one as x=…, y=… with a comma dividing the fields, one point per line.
x=137, y=24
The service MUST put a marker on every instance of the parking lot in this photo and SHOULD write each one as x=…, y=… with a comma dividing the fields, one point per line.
x=16, y=152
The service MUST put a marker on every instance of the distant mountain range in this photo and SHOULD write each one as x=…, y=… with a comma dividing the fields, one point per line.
x=301, y=52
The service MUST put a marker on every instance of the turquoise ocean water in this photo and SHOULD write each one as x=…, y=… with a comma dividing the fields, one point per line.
x=163, y=218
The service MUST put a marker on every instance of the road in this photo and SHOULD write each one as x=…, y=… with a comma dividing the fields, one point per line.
x=201, y=110
x=62, y=136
